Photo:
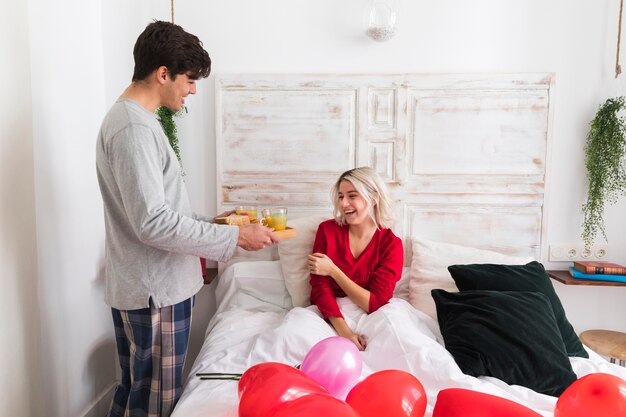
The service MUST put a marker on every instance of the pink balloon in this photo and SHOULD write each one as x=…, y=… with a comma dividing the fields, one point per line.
x=335, y=363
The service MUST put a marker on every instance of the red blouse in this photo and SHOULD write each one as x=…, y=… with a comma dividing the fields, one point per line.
x=377, y=269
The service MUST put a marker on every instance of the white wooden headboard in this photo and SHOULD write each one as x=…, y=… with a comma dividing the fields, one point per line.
x=464, y=155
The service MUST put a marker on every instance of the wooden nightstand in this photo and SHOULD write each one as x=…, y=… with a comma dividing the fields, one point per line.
x=565, y=278
x=606, y=343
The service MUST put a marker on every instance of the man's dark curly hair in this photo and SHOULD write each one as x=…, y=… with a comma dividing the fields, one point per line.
x=166, y=44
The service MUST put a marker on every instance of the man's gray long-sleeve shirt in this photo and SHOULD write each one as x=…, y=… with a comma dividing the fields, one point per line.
x=153, y=240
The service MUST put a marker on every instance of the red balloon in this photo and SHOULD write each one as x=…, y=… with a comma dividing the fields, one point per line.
x=389, y=393
x=459, y=402
x=315, y=405
x=261, y=371
x=593, y=395
x=264, y=387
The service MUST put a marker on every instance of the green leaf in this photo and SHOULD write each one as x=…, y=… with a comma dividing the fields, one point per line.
x=169, y=127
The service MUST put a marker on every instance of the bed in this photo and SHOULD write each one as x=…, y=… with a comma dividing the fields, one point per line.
x=465, y=157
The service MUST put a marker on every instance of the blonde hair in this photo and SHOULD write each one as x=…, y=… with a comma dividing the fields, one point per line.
x=373, y=190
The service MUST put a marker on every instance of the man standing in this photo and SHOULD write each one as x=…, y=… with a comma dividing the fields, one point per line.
x=153, y=240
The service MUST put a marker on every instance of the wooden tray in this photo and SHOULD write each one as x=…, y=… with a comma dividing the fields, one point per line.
x=288, y=233
x=232, y=220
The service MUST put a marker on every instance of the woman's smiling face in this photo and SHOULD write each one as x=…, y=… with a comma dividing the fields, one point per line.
x=355, y=208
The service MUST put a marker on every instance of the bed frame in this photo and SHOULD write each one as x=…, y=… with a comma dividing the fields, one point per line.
x=464, y=155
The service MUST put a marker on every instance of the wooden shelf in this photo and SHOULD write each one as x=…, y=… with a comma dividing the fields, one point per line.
x=565, y=278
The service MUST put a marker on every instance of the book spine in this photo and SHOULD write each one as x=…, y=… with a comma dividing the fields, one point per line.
x=602, y=270
x=611, y=271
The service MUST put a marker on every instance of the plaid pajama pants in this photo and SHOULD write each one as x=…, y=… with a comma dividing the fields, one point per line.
x=151, y=346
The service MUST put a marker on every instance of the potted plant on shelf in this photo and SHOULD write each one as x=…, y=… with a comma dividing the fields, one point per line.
x=606, y=166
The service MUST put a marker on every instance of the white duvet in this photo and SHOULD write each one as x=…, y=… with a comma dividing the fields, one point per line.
x=254, y=324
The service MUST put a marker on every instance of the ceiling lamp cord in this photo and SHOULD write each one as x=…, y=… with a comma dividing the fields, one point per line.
x=618, y=67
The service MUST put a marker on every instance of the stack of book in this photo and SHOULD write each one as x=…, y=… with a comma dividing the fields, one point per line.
x=597, y=270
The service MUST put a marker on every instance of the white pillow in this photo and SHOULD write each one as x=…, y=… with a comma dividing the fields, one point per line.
x=252, y=285
x=241, y=255
x=429, y=268
x=293, y=258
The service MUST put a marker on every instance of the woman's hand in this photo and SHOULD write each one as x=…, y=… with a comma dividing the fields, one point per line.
x=320, y=264
x=358, y=340
x=342, y=329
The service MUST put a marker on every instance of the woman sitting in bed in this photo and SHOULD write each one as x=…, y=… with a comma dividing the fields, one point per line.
x=356, y=255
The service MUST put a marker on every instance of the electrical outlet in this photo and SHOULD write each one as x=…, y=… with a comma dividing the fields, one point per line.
x=569, y=252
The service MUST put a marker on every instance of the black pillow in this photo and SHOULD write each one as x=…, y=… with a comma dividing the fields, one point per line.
x=510, y=335
x=529, y=277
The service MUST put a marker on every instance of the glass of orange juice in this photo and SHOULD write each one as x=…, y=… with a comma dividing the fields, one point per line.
x=275, y=218
x=250, y=211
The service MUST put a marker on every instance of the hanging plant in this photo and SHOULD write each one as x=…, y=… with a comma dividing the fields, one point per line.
x=606, y=166
x=169, y=126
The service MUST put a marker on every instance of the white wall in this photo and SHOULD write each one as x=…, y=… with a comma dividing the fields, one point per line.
x=70, y=59
x=77, y=347
x=18, y=256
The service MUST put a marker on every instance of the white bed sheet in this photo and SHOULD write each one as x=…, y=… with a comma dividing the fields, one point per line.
x=255, y=323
